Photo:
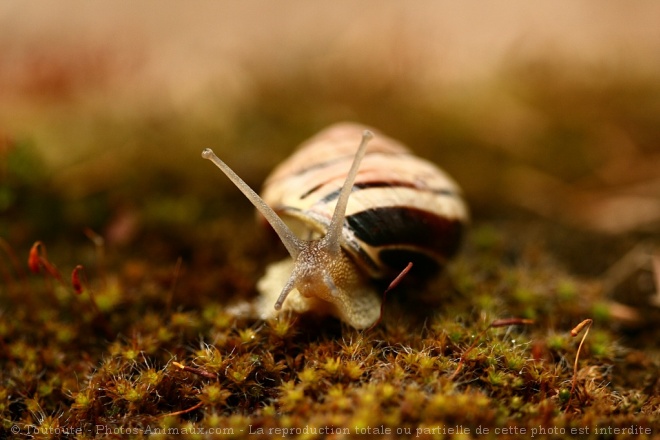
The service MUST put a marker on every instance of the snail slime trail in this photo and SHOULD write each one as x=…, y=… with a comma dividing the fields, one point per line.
x=352, y=206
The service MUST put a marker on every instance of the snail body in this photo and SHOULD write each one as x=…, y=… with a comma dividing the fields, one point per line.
x=348, y=218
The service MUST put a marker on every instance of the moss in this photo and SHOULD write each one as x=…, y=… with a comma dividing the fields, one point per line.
x=158, y=347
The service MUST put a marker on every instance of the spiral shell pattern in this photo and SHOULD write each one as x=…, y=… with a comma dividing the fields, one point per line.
x=402, y=208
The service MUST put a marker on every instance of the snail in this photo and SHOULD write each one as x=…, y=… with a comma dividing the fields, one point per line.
x=346, y=226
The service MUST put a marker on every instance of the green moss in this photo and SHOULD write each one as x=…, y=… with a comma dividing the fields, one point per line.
x=155, y=344
x=567, y=291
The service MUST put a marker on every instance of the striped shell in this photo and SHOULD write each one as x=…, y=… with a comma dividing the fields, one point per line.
x=348, y=217
x=401, y=209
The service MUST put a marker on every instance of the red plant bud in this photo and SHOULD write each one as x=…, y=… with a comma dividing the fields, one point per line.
x=399, y=277
x=75, y=279
x=34, y=259
x=38, y=260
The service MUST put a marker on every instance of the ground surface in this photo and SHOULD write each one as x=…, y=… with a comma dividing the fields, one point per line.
x=548, y=120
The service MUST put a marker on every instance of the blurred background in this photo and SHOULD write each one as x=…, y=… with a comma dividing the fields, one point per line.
x=543, y=113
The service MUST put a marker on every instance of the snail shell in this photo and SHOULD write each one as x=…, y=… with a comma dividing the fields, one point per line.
x=349, y=218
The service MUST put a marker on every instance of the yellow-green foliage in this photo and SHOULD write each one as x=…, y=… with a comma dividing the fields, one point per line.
x=430, y=371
